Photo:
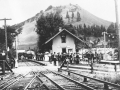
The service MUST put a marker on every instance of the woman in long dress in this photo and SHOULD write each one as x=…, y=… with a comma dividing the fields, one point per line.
x=16, y=63
x=46, y=57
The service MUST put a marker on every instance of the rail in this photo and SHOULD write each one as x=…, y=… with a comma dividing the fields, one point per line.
x=61, y=88
x=106, y=84
x=83, y=85
x=35, y=62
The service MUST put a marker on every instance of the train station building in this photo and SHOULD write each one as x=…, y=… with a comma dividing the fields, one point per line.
x=64, y=42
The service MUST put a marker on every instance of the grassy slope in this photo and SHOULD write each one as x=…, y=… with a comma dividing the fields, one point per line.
x=28, y=37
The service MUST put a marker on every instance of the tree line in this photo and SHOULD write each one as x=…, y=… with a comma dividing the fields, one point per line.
x=11, y=33
x=71, y=17
x=48, y=25
x=87, y=31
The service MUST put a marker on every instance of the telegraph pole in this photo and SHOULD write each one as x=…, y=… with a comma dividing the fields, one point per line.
x=5, y=19
x=117, y=26
x=104, y=36
x=16, y=47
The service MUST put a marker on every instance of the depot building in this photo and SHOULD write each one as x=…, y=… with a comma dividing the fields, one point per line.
x=64, y=42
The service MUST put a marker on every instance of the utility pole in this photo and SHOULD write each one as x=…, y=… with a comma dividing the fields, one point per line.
x=104, y=36
x=5, y=19
x=117, y=27
x=16, y=47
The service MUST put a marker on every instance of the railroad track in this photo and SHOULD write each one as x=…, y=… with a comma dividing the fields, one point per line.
x=56, y=81
x=44, y=79
x=97, y=84
x=10, y=81
x=32, y=64
x=16, y=81
x=22, y=83
x=19, y=81
x=5, y=76
x=84, y=83
x=28, y=63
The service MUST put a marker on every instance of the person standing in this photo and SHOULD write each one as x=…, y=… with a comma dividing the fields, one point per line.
x=77, y=58
x=71, y=58
x=11, y=59
x=22, y=58
x=59, y=59
x=49, y=55
x=90, y=56
x=74, y=58
x=95, y=57
x=36, y=56
x=63, y=57
x=54, y=58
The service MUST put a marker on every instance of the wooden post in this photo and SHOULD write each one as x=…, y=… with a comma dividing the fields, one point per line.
x=115, y=67
x=3, y=67
x=7, y=65
x=91, y=65
x=59, y=70
x=106, y=86
x=5, y=19
x=117, y=26
x=68, y=67
x=85, y=79
x=6, y=42
x=67, y=60
x=62, y=64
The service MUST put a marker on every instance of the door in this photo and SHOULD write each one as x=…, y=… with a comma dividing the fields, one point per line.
x=63, y=50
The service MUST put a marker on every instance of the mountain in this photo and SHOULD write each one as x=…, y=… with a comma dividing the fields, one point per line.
x=28, y=37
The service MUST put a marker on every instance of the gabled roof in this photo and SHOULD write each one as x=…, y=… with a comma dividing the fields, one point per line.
x=67, y=32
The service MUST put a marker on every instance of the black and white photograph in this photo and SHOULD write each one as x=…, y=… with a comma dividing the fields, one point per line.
x=59, y=44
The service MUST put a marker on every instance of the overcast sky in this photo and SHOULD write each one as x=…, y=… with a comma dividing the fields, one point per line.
x=20, y=10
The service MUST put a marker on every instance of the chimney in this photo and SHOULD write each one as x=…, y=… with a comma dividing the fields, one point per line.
x=60, y=29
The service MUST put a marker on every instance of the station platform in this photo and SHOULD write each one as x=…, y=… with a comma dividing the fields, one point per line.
x=109, y=62
x=101, y=68
x=104, y=66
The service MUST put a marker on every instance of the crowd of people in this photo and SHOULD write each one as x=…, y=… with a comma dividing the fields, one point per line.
x=89, y=57
x=74, y=58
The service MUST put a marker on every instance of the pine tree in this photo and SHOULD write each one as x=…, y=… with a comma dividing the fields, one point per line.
x=72, y=16
x=47, y=26
x=68, y=17
x=111, y=28
x=10, y=37
x=78, y=17
x=112, y=35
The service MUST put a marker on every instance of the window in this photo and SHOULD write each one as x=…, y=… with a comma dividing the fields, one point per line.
x=63, y=38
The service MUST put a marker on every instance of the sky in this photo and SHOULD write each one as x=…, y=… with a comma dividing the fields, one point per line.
x=21, y=10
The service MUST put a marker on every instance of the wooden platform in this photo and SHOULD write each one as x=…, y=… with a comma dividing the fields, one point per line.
x=110, y=62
